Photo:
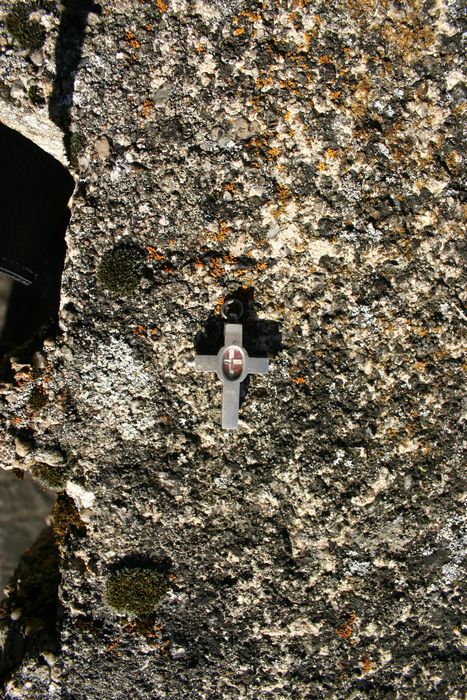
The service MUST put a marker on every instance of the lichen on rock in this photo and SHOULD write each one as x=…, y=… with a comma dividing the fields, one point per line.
x=136, y=591
x=120, y=269
x=29, y=33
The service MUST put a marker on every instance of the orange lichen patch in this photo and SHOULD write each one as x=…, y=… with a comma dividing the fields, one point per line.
x=132, y=40
x=252, y=16
x=273, y=152
x=261, y=266
x=143, y=331
x=282, y=191
x=23, y=375
x=325, y=59
x=113, y=645
x=148, y=106
x=222, y=231
x=215, y=268
x=331, y=152
x=408, y=37
x=218, y=305
x=198, y=264
x=148, y=27
x=322, y=166
x=263, y=82
x=366, y=664
x=346, y=630
x=284, y=196
x=239, y=31
x=200, y=48
x=290, y=85
x=287, y=116
x=334, y=95
x=299, y=380
x=230, y=187
x=161, y=5
x=229, y=260
x=153, y=254
x=309, y=35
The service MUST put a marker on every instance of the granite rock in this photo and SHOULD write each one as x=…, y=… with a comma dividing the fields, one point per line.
x=308, y=158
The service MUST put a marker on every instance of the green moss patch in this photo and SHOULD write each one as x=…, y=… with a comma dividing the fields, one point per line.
x=137, y=591
x=120, y=269
x=37, y=398
x=30, y=34
x=74, y=144
x=52, y=477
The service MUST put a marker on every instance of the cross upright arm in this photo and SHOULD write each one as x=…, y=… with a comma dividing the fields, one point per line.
x=232, y=364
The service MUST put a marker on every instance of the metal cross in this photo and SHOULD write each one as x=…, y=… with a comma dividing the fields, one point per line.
x=232, y=364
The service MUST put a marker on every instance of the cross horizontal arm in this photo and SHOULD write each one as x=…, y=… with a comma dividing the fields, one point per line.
x=206, y=363
x=257, y=365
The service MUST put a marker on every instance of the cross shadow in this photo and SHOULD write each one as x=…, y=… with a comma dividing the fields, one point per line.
x=68, y=51
x=261, y=338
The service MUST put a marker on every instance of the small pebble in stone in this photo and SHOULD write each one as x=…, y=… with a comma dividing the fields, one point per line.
x=17, y=90
x=21, y=447
x=37, y=57
x=103, y=148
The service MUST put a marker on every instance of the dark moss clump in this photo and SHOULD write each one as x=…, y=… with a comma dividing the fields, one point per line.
x=36, y=96
x=120, y=269
x=37, y=398
x=30, y=34
x=65, y=516
x=52, y=477
x=74, y=144
x=137, y=591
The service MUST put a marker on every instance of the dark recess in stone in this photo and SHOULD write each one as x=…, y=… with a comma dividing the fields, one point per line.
x=34, y=590
x=35, y=189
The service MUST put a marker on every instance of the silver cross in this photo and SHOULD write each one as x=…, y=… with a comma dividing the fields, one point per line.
x=232, y=364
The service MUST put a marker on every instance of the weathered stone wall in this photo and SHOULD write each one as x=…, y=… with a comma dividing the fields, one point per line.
x=310, y=156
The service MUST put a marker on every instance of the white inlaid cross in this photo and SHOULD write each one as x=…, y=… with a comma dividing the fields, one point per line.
x=232, y=364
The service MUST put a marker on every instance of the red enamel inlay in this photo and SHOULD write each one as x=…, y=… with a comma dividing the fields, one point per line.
x=232, y=362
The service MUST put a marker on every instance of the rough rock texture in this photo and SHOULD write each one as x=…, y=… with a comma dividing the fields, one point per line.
x=308, y=156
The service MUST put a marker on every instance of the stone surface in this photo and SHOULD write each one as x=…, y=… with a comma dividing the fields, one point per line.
x=310, y=154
